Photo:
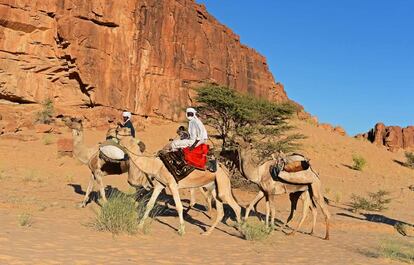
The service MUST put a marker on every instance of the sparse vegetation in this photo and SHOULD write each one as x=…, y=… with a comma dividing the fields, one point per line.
x=31, y=176
x=376, y=201
x=359, y=162
x=118, y=215
x=47, y=139
x=255, y=230
x=46, y=114
x=25, y=220
x=396, y=250
x=122, y=214
x=410, y=159
x=338, y=197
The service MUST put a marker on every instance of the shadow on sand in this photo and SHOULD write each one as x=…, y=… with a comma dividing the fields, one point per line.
x=376, y=218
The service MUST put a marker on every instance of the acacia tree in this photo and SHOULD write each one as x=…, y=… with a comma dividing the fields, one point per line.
x=257, y=121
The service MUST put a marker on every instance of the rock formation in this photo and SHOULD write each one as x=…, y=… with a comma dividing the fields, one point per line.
x=141, y=55
x=393, y=137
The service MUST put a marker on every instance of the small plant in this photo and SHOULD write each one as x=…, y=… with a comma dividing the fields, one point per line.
x=47, y=139
x=118, y=215
x=410, y=159
x=338, y=197
x=359, y=162
x=46, y=114
x=255, y=230
x=32, y=177
x=376, y=201
x=25, y=220
x=394, y=250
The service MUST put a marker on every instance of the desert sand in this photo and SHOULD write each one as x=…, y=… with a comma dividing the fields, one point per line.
x=35, y=180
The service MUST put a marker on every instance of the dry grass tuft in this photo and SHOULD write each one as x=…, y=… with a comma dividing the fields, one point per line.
x=255, y=230
x=25, y=220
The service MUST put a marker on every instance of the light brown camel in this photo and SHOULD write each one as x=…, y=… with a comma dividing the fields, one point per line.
x=302, y=181
x=161, y=178
x=98, y=167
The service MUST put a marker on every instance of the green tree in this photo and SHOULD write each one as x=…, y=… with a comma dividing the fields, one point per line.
x=254, y=120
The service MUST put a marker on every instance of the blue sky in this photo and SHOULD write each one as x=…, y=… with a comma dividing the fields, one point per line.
x=350, y=62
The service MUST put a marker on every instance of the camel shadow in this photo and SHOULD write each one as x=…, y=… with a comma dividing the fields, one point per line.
x=348, y=166
x=377, y=218
x=400, y=163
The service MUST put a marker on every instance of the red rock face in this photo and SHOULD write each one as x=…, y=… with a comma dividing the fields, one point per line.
x=141, y=55
x=393, y=137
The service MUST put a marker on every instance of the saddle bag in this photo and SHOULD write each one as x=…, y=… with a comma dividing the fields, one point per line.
x=112, y=152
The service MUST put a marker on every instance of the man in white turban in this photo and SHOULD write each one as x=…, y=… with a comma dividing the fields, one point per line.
x=196, y=130
x=127, y=122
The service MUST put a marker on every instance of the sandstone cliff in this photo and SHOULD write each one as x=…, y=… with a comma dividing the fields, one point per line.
x=140, y=55
x=393, y=137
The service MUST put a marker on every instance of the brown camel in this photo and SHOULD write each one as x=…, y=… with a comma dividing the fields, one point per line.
x=289, y=183
x=159, y=175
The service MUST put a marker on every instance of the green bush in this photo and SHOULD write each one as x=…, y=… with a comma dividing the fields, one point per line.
x=118, y=215
x=376, y=201
x=410, y=159
x=359, y=162
x=255, y=230
x=46, y=114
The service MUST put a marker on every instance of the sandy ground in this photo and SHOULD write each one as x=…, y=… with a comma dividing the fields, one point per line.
x=34, y=180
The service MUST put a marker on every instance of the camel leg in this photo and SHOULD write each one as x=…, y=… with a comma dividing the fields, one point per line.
x=207, y=196
x=192, y=199
x=267, y=211
x=306, y=202
x=225, y=192
x=317, y=194
x=272, y=211
x=219, y=215
x=99, y=180
x=88, y=192
x=258, y=197
x=178, y=206
x=156, y=192
x=314, y=214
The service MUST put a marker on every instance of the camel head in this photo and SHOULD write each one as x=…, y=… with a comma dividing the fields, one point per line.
x=123, y=134
x=73, y=123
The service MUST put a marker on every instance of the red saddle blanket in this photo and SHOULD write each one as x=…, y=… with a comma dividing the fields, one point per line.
x=196, y=157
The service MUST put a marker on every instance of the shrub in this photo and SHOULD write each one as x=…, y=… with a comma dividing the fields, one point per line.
x=410, y=159
x=255, y=230
x=45, y=115
x=376, y=201
x=359, y=162
x=123, y=213
x=25, y=219
x=118, y=215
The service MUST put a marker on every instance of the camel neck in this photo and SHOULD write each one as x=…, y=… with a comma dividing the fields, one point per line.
x=247, y=166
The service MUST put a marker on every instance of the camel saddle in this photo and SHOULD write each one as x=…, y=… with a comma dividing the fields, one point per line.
x=112, y=152
x=177, y=165
x=290, y=166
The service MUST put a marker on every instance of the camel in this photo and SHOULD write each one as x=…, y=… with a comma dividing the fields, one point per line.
x=161, y=178
x=306, y=181
x=98, y=167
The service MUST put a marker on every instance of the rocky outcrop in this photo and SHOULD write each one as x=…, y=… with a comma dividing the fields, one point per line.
x=140, y=55
x=393, y=137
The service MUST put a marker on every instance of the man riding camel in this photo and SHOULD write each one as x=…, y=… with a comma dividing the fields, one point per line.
x=127, y=122
x=196, y=130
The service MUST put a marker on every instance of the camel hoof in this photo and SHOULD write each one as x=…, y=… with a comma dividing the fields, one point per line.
x=207, y=233
x=290, y=233
x=82, y=205
x=181, y=230
x=326, y=238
